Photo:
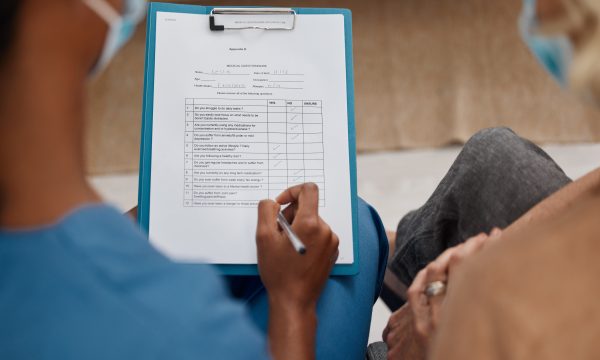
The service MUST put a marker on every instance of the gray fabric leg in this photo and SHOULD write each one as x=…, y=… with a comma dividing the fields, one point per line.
x=377, y=351
x=496, y=178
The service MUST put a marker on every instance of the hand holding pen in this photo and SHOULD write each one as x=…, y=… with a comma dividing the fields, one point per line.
x=286, y=269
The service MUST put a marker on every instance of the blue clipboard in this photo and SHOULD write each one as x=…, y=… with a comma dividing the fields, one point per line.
x=147, y=117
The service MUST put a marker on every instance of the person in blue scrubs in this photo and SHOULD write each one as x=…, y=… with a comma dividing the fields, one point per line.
x=78, y=280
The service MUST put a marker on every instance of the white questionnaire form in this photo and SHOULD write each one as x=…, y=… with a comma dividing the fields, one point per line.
x=239, y=116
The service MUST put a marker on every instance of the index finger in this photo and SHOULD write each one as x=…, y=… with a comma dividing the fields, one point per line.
x=306, y=195
x=267, y=216
x=443, y=260
x=418, y=302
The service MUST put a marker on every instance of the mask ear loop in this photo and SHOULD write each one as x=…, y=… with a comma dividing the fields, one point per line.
x=104, y=10
x=107, y=13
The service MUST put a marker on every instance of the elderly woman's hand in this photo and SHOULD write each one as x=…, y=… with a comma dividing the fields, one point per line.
x=410, y=328
x=400, y=336
x=424, y=299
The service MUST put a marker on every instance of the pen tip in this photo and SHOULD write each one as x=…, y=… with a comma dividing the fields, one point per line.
x=302, y=251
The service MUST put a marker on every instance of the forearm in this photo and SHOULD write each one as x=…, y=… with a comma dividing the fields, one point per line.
x=560, y=201
x=292, y=331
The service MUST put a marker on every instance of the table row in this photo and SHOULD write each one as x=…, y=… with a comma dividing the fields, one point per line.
x=234, y=194
x=257, y=117
x=251, y=102
x=245, y=127
x=266, y=180
x=254, y=164
x=255, y=109
x=237, y=137
x=231, y=203
x=252, y=148
x=249, y=174
x=192, y=189
x=254, y=156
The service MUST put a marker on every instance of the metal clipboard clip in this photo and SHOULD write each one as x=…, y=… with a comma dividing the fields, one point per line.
x=258, y=23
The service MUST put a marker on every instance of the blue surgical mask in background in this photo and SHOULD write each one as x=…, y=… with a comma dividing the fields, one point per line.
x=120, y=27
x=554, y=52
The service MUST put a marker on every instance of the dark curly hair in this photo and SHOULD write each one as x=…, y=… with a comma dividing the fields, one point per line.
x=8, y=17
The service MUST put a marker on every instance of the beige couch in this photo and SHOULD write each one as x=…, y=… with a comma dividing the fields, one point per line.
x=428, y=73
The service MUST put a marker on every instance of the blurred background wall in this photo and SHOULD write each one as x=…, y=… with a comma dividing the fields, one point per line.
x=427, y=73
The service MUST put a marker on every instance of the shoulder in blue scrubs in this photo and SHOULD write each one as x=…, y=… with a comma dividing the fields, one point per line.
x=72, y=289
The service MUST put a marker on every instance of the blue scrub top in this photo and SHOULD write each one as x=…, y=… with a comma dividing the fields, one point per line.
x=92, y=287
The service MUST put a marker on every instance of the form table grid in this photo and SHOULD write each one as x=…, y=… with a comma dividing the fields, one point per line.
x=240, y=151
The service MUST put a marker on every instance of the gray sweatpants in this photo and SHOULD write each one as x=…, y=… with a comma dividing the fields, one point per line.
x=497, y=177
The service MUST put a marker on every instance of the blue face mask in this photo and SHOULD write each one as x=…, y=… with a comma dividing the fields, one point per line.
x=554, y=52
x=120, y=27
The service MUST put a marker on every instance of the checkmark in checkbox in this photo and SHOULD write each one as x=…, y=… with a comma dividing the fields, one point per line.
x=298, y=172
x=294, y=137
x=298, y=178
x=294, y=127
x=276, y=147
x=277, y=155
x=293, y=117
x=277, y=163
x=293, y=109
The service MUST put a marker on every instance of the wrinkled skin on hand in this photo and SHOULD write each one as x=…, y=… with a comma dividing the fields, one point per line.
x=410, y=329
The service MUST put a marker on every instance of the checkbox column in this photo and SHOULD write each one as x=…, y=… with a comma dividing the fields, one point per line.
x=314, y=152
x=295, y=142
x=277, y=147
